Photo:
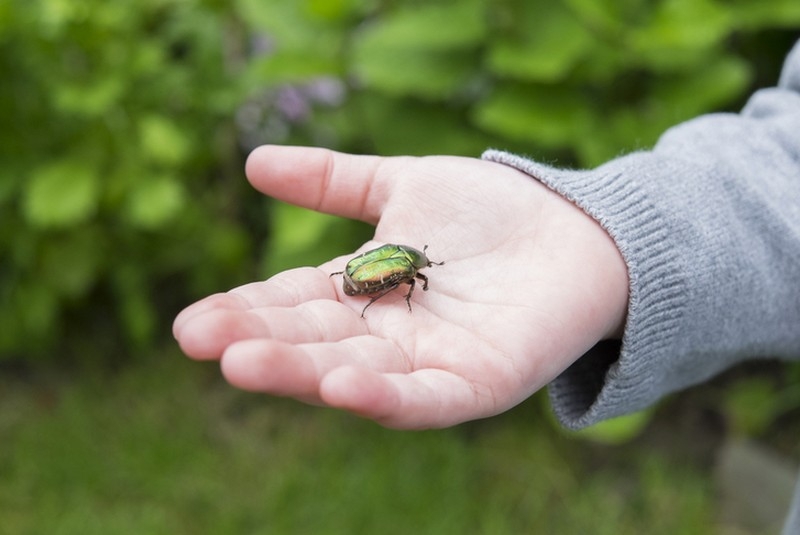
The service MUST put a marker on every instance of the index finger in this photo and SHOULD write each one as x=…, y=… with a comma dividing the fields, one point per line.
x=286, y=289
x=346, y=185
x=297, y=306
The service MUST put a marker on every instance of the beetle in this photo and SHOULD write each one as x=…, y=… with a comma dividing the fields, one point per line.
x=381, y=270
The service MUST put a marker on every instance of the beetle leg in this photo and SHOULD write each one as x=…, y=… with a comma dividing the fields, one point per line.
x=410, y=290
x=386, y=291
x=337, y=273
x=424, y=280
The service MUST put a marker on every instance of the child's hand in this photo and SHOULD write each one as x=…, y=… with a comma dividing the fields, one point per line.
x=530, y=283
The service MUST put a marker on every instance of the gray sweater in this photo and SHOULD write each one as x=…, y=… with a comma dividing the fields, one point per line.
x=708, y=222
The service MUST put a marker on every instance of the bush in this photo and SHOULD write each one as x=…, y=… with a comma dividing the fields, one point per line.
x=126, y=124
x=121, y=178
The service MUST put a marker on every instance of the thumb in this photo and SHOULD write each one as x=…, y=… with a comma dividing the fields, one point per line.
x=320, y=179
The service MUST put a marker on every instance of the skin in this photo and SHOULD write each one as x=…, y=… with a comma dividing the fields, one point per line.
x=530, y=284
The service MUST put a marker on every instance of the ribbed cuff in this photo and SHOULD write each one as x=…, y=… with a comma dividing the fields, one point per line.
x=614, y=379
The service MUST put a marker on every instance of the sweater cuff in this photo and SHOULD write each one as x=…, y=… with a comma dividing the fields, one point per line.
x=614, y=378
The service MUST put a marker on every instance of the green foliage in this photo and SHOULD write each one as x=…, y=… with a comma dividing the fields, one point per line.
x=754, y=404
x=193, y=456
x=116, y=138
x=121, y=191
x=305, y=237
x=751, y=406
x=617, y=430
x=575, y=80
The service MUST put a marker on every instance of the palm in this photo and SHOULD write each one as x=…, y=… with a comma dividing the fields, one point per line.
x=513, y=305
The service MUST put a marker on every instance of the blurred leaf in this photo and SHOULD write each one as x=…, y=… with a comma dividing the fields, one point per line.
x=429, y=27
x=751, y=405
x=550, y=116
x=286, y=23
x=681, y=33
x=61, y=194
x=291, y=66
x=306, y=237
x=30, y=318
x=228, y=245
x=6, y=17
x=334, y=10
x=155, y=200
x=162, y=141
x=424, y=50
x=9, y=183
x=137, y=314
x=609, y=17
x=90, y=99
x=617, y=430
x=292, y=46
x=412, y=72
x=69, y=264
x=149, y=58
x=622, y=130
x=300, y=228
x=716, y=84
x=755, y=15
x=398, y=127
x=638, y=125
x=546, y=54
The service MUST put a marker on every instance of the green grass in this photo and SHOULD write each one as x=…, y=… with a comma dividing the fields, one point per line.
x=167, y=447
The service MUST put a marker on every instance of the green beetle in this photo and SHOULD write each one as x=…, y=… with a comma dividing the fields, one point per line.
x=381, y=270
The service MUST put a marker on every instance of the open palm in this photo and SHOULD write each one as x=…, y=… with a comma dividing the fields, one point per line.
x=529, y=284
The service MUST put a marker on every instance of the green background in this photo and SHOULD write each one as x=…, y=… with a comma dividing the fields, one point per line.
x=125, y=126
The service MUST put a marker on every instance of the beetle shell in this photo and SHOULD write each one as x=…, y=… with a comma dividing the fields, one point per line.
x=379, y=271
x=380, y=268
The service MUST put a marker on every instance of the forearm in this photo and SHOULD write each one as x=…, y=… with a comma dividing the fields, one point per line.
x=709, y=225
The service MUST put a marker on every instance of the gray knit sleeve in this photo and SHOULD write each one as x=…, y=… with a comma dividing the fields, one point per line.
x=708, y=222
